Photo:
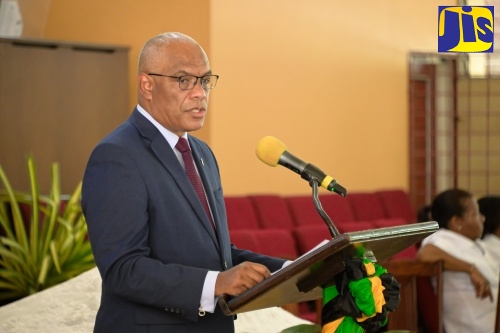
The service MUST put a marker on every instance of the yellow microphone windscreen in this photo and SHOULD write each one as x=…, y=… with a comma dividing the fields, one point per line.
x=269, y=150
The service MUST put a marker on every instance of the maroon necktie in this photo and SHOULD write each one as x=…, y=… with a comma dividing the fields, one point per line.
x=183, y=146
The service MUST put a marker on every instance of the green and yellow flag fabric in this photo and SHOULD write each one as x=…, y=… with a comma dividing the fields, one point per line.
x=360, y=300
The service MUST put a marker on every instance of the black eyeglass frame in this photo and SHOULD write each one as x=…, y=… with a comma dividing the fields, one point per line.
x=197, y=77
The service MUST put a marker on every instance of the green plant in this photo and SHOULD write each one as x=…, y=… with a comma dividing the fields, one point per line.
x=50, y=246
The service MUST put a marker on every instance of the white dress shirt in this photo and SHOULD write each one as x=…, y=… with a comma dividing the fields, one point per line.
x=491, y=244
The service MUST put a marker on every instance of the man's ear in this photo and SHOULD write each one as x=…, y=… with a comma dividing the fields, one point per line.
x=145, y=84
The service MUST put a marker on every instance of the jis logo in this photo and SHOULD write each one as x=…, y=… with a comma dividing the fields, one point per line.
x=465, y=29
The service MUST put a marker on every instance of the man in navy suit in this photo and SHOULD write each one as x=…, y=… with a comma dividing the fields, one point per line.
x=163, y=259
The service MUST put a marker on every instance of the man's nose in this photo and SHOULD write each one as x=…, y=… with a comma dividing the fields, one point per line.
x=198, y=89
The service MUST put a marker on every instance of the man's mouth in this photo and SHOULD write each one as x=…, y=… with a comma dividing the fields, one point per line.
x=198, y=110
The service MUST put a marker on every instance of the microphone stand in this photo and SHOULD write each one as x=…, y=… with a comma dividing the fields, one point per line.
x=331, y=227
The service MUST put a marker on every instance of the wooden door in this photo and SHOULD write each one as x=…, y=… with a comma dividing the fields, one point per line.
x=432, y=127
x=57, y=101
x=422, y=134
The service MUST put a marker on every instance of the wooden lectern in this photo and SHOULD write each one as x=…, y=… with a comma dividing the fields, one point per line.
x=304, y=279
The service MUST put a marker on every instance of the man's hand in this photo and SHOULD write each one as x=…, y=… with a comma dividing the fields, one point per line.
x=240, y=278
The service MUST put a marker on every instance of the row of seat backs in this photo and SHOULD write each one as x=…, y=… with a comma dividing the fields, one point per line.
x=274, y=211
x=288, y=226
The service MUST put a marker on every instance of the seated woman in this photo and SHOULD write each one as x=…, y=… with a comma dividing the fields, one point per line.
x=489, y=206
x=469, y=279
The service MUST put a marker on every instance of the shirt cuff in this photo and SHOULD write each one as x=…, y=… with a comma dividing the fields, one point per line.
x=286, y=263
x=208, y=300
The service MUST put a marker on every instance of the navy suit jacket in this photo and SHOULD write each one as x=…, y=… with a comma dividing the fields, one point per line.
x=152, y=241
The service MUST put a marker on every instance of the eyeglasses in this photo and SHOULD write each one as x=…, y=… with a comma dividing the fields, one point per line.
x=188, y=82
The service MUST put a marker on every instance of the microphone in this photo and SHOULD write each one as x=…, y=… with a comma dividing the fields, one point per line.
x=272, y=152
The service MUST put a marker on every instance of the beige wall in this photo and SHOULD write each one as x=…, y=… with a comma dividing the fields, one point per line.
x=328, y=78
x=128, y=22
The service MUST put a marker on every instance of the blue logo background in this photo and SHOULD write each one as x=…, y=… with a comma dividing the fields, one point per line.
x=465, y=29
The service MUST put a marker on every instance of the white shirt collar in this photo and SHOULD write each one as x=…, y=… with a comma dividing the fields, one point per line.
x=169, y=136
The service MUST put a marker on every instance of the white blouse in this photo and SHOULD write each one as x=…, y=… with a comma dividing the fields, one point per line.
x=462, y=311
x=491, y=244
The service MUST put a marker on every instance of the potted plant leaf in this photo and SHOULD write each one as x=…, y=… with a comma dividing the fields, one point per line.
x=43, y=238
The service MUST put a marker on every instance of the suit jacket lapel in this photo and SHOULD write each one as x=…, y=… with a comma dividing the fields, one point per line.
x=167, y=157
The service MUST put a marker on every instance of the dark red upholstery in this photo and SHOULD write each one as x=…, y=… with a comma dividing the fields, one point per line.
x=396, y=203
x=240, y=213
x=308, y=236
x=289, y=226
x=277, y=243
x=351, y=226
x=365, y=206
x=273, y=242
x=389, y=222
x=272, y=211
x=336, y=207
x=245, y=239
x=303, y=211
x=358, y=211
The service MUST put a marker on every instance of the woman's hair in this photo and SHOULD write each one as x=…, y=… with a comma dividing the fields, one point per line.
x=448, y=204
x=424, y=214
x=489, y=206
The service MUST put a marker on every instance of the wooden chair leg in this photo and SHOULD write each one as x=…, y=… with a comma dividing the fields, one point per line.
x=319, y=310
